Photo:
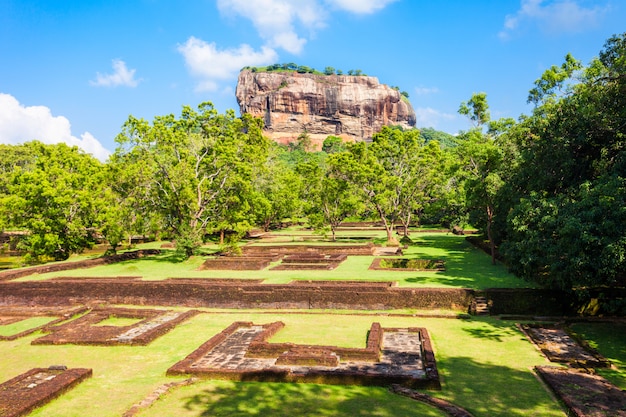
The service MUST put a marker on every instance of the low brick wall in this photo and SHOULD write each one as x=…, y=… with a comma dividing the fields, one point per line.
x=65, y=266
x=314, y=258
x=236, y=263
x=344, y=283
x=315, y=364
x=438, y=265
x=260, y=348
x=86, y=331
x=22, y=394
x=526, y=301
x=204, y=293
x=182, y=367
x=8, y=316
x=308, y=356
x=366, y=249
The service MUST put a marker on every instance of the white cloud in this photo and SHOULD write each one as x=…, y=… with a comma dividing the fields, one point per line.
x=555, y=17
x=211, y=65
x=282, y=24
x=275, y=20
x=20, y=124
x=121, y=76
x=360, y=6
x=429, y=117
x=422, y=91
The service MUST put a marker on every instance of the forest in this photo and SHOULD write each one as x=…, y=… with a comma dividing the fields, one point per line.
x=547, y=191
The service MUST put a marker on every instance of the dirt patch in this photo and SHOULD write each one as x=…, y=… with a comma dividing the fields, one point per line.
x=405, y=264
x=558, y=345
x=584, y=394
x=32, y=389
x=86, y=331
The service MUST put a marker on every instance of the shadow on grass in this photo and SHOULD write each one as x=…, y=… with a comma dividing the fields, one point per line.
x=493, y=329
x=466, y=265
x=166, y=256
x=608, y=339
x=276, y=400
x=490, y=390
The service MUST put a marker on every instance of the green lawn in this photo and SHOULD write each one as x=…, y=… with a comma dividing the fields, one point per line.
x=485, y=365
x=610, y=340
x=23, y=325
x=466, y=266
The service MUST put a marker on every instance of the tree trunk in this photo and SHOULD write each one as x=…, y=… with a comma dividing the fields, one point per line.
x=391, y=239
x=222, y=237
x=492, y=245
x=406, y=224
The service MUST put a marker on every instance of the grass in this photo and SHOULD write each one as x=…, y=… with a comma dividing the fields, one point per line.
x=485, y=363
x=610, y=340
x=7, y=262
x=485, y=366
x=466, y=267
x=221, y=398
x=23, y=325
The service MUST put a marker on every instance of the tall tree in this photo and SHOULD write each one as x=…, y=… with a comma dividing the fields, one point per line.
x=55, y=196
x=202, y=166
x=566, y=226
x=276, y=190
x=333, y=199
x=381, y=171
x=482, y=163
x=424, y=183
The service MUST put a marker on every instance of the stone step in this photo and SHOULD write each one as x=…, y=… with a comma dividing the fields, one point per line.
x=480, y=306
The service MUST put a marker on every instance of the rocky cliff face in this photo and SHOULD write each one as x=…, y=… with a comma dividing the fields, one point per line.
x=351, y=107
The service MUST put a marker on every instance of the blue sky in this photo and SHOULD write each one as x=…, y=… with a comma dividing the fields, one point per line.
x=75, y=71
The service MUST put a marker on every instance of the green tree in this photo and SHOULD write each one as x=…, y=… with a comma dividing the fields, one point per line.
x=446, y=140
x=381, y=171
x=56, y=197
x=476, y=109
x=333, y=144
x=332, y=197
x=276, y=192
x=482, y=166
x=566, y=223
x=302, y=144
x=202, y=166
x=425, y=183
x=554, y=81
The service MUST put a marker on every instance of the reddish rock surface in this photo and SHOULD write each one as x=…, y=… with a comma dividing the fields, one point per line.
x=351, y=107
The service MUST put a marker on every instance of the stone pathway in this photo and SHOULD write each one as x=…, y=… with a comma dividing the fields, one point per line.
x=34, y=388
x=231, y=353
x=144, y=328
x=558, y=346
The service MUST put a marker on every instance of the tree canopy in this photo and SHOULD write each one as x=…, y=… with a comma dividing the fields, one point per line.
x=547, y=192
